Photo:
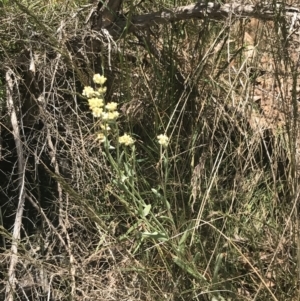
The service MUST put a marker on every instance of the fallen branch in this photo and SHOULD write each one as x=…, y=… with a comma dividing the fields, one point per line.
x=200, y=10
x=11, y=282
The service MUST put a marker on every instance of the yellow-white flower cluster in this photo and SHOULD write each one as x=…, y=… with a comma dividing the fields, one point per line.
x=95, y=97
x=99, y=79
x=163, y=140
x=126, y=140
x=107, y=112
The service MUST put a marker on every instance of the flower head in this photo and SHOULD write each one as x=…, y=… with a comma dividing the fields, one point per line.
x=88, y=92
x=97, y=112
x=110, y=116
x=126, y=140
x=101, y=137
x=105, y=127
x=99, y=79
x=163, y=140
x=111, y=106
x=96, y=103
x=102, y=90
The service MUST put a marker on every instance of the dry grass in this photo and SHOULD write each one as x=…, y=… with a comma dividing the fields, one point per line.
x=223, y=195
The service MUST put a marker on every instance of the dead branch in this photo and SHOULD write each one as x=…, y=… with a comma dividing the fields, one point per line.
x=201, y=10
x=11, y=283
x=106, y=13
